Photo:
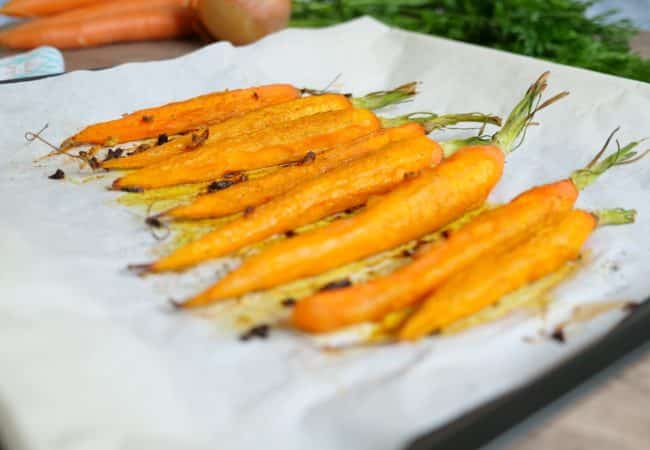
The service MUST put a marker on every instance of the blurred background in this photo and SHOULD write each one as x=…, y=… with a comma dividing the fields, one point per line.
x=610, y=36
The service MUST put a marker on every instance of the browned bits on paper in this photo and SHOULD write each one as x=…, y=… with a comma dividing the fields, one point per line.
x=113, y=154
x=288, y=302
x=258, y=331
x=58, y=175
x=337, y=284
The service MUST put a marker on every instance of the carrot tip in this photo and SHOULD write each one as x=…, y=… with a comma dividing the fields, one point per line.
x=176, y=304
x=140, y=269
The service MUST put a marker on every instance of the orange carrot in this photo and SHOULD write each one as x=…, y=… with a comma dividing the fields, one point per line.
x=150, y=23
x=349, y=186
x=503, y=226
x=183, y=115
x=30, y=8
x=487, y=280
x=492, y=231
x=421, y=205
x=288, y=141
x=258, y=191
x=263, y=118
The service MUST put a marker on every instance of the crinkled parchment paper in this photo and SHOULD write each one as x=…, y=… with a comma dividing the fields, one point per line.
x=92, y=357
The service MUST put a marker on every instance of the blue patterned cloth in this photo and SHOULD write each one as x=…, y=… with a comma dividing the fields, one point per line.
x=37, y=62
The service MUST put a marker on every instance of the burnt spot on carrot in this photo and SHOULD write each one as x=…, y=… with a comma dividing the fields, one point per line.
x=219, y=185
x=289, y=233
x=58, y=175
x=258, y=331
x=409, y=175
x=336, y=284
x=256, y=96
x=147, y=118
x=139, y=149
x=249, y=210
x=130, y=189
x=199, y=139
x=162, y=139
x=445, y=234
x=309, y=158
x=407, y=253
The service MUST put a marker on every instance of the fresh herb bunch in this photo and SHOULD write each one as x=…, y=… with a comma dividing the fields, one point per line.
x=556, y=30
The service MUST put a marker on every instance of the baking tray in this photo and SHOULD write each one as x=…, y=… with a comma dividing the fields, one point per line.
x=494, y=419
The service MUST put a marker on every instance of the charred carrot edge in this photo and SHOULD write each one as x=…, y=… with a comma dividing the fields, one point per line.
x=182, y=116
x=460, y=183
x=260, y=119
x=492, y=231
x=487, y=280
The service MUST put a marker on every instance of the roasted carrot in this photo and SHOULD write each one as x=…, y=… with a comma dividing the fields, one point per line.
x=283, y=143
x=260, y=119
x=423, y=204
x=31, y=8
x=351, y=185
x=487, y=280
x=506, y=225
x=258, y=191
x=183, y=115
x=502, y=227
x=288, y=141
x=146, y=23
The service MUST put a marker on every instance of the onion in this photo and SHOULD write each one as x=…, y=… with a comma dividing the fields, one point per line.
x=243, y=21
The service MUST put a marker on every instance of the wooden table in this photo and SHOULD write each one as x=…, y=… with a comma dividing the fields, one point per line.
x=614, y=414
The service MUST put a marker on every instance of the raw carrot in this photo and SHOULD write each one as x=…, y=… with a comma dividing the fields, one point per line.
x=494, y=230
x=283, y=143
x=487, y=280
x=349, y=186
x=146, y=23
x=423, y=204
x=31, y=8
x=258, y=191
x=288, y=141
x=99, y=9
x=263, y=118
x=184, y=115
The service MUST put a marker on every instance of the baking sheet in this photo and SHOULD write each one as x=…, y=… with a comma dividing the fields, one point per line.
x=93, y=357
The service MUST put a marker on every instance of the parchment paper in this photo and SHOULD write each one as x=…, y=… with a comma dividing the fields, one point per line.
x=91, y=357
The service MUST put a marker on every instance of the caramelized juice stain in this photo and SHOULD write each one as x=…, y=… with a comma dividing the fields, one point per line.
x=267, y=306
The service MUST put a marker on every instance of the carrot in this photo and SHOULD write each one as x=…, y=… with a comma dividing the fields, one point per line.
x=258, y=191
x=263, y=118
x=425, y=203
x=506, y=225
x=30, y=8
x=351, y=185
x=100, y=9
x=147, y=23
x=283, y=143
x=487, y=280
x=274, y=145
x=183, y=115
x=492, y=231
